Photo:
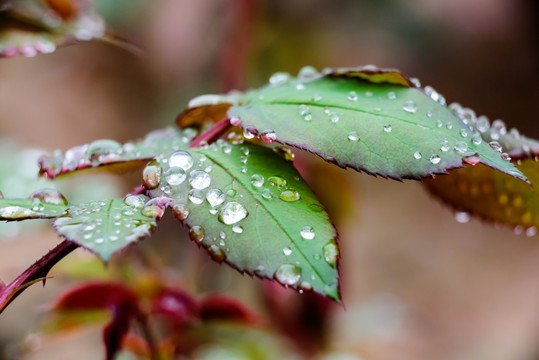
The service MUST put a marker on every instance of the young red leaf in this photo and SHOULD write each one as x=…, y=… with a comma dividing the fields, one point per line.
x=95, y=296
x=220, y=307
x=176, y=305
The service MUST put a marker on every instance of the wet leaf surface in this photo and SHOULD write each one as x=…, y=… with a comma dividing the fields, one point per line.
x=42, y=204
x=114, y=156
x=249, y=208
x=107, y=226
x=369, y=119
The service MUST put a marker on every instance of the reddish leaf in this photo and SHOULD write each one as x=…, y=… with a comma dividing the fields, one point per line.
x=176, y=305
x=220, y=307
x=95, y=296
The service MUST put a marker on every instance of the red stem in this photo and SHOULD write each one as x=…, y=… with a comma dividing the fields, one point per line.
x=214, y=133
x=39, y=270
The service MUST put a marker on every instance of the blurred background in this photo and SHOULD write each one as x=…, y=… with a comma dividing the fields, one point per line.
x=416, y=283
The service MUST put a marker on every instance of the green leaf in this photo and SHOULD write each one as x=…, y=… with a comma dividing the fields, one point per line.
x=23, y=209
x=114, y=156
x=108, y=226
x=41, y=204
x=368, y=119
x=249, y=207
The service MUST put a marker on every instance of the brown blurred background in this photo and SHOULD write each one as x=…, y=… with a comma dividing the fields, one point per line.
x=416, y=284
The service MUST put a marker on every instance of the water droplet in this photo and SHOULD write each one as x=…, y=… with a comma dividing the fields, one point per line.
x=279, y=78
x=434, y=95
x=435, y=159
x=307, y=72
x=215, y=197
x=353, y=136
x=445, y=146
x=277, y=180
x=439, y=123
x=462, y=217
x=449, y=126
x=352, y=96
x=410, y=106
x=232, y=212
x=216, y=253
x=180, y=211
x=417, y=155
x=235, y=121
x=285, y=152
x=331, y=253
x=102, y=147
x=461, y=147
x=495, y=146
x=307, y=232
x=506, y=156
x=472, y=160
x=391, y=95
x=387, y=128
x=199, y=179
x=248, y=134
x=48, y=196
x=237, y=229
x=287, y=251
x=257, y=180
x=288, y=274
x=415, y=82
x=181, y=159
x=151, y=176
x=175, y=176
x=289, y=195
x=463, y=133
x=268, y=136
x=136, y=201
x=266, y=194
x=368, y=93
x=531, y=231
x=476, y=139
x=196, y=233
x=482, y=123
x=243, y=169
x=196, y=196
x=154, y=208
x=99, y=241
x=499, y=125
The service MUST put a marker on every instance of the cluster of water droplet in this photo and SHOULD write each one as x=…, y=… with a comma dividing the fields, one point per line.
x=39, y=199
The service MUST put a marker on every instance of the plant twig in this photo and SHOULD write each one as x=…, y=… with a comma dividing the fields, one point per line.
x=38, y=270
x=214, y=133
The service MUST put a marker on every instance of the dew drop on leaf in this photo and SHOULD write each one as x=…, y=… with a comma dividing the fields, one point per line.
x=463, y=133
x=180, y=211
x=215, y=197
x=410, y=106
x=216, y=253
x=277, y=180
x=268, y=136
x=47, y=196
x=181, y=159
x=387, y=128
x=435, y=159
x=237, y=229
x=196, y=233
x=199, y=179
x=445, y=146
x=257, y=180
x=307, y=232
x=353, y=136
x=391, y=95
x=102, y=147
x=279, y=78
x=495, y=146
x=289, y=195
x=196, y=196
x=287, y=251
x=476, y=139
x=331, y=252
x=232, y=213
x=248, y=134
x=235, y=121
x=154, y=208
x=307, y=72
x=151, y=176
x=288, y=274
x=352, y=96
x=417, y=155
x=462, y=217
x=461, y=147
x=136, y=201
x=266, y=194
x=175, y=176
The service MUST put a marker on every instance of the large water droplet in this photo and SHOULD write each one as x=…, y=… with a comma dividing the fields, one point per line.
x=196, y=196
x=307, y=232
x=268, y=136
x=482, y=123
x=175, y=176
x=289, y=195
x=495, y=146
x=435, y=159
x=151, y=176
x=331, y=253
x=353, y=136
x=476, y=139
x=216, y=253
x=180, y=211
x=434, y=95
x=48, y=196
x=461, y=147
x=266, y=194
x=196, y=233
x=307, y=72
x=154, y=208
x=102, y=147
x=288, y=274
x=410, y=106
x=199, y=179
x=279, y=78
x=237, y=229
x=232, y=213
x=181, y=159
x=136, y=201
x=277, y=180
x=257, y=180
x=215, y=197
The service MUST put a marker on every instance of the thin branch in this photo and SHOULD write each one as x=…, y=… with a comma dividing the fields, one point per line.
x=212, y=134
x=38, y=270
